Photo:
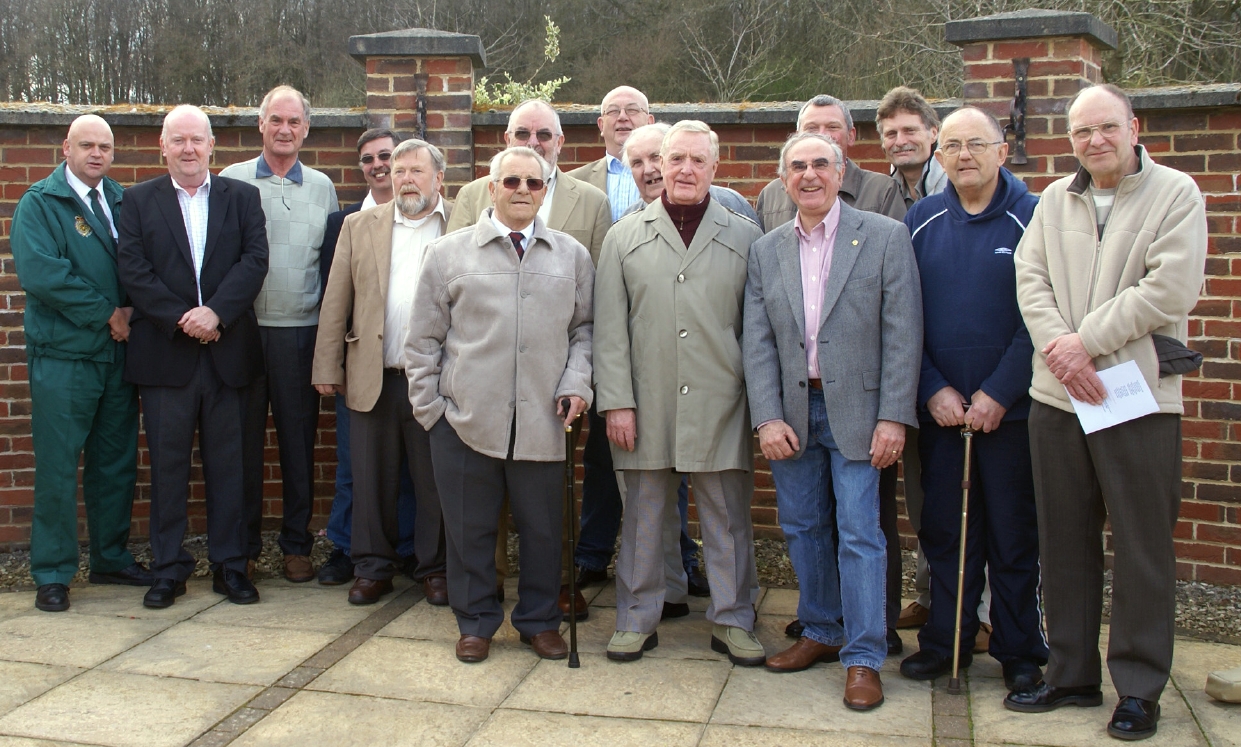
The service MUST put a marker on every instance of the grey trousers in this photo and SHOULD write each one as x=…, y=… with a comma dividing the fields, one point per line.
x=723, y=500
x=1129, y=474
x=471, y=488
x=376, y=440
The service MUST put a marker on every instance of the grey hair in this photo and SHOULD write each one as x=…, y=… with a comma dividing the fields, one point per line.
x=660, y=127
x=535, y=102
x=280, y=91
x=413, y=145
x=824, y=100
x=497, y=161
x=801, y=137
x=691, y=125
x=202, y=115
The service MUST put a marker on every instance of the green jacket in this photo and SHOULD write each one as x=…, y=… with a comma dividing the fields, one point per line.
x=66, y=264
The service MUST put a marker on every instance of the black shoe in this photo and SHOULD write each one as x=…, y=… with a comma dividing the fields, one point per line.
x=1021, y=674
x=1134, y=719
x=928, y=664
x=895, y=644
x=235, y=585
x=337, y=570
x=698, y=586
x=795, y=629
x=1044, y=697
x=52, y=598
x=163, y=593
x=135, y=575
x=588, y=576
x=674, y=609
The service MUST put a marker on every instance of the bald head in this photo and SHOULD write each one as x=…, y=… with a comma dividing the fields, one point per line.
x=624, y=110
x=88, y=149
x=969, y=113
x=535, y=124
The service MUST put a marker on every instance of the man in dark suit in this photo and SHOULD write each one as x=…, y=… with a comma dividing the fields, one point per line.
x=193, y=256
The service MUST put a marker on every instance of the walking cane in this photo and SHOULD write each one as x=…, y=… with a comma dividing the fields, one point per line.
x=954, y=683
x=569, y=477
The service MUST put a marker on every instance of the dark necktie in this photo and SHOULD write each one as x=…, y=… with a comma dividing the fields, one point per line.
x=93, y=198
x=517, y=238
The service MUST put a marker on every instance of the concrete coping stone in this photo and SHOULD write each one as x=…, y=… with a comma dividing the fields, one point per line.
x=1030, y=24
x=418, y=43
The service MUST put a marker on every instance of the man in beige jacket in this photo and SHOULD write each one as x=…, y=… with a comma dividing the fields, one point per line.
x=1107, y=272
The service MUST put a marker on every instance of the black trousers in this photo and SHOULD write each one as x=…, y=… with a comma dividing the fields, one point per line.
x=1129, y=474
x=170, y=416
x=377, y=439
x=891, y=533
x=472, y=488
x=1002, y=539
x=288, y=353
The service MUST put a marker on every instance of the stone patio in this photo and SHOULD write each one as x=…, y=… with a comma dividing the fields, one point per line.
x=303, y=667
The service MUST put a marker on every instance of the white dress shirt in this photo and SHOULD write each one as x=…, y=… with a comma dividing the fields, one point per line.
x=409, y=243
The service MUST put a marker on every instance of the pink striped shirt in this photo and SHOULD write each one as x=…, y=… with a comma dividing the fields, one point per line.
x=815, y=249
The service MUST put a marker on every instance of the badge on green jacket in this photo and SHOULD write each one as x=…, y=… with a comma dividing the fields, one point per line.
x=80, y=224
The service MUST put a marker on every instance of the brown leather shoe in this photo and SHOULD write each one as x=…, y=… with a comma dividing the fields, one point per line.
x=913, y=616
x=549, y=644
x=802, y=655
x=863, y=690
x=436, y=590
x=297, y=568
x=472, y=649
x=982, y=641
x=368, y=591
x=583, y=611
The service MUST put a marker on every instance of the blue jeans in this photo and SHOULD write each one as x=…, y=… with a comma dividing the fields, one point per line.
x=340, y=521
x=806, y=510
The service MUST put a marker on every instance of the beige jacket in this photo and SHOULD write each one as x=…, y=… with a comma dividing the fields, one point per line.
x=578, y=209
x=351, y=354
x=668, y=330
x=1141, y=278
x=492, y=338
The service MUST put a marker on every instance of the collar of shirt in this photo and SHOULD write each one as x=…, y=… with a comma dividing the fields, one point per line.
x=615, y=166
x=368, y=201
x=399, y=218
x=262, y=171
x=826, y=228
x=504, y=230
x=204, y=189
x=79, y=186
x=545, y=210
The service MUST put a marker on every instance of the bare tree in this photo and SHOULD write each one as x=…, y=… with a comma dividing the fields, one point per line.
x=733, y=45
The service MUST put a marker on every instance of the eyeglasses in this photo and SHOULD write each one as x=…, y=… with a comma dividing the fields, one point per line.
x=513, y=182
x=975, y=147
x=1086, y=134
x=820, y=165
x=544, y=136
x=368, y=159
x=633, y=112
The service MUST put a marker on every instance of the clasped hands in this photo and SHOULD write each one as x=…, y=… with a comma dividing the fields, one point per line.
x=1073, y=367
x=200, y=323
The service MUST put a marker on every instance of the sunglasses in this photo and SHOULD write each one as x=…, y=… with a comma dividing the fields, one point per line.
x=513, y=182
x=544, y=136
x=368, y=159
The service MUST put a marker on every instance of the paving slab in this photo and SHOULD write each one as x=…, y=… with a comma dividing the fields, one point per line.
x=782, y=602
x=221, y=653
x=1191, y=662
x=606, y=597
x=27, y=742
x=754, y=736
x=426, y=622
x=22, y=681
x=813, y=700
x=285, y=605
x=362, y=721
x=525, y=729
x=427, y=671
x=16, y=603
x=126, y=710
x=68, y=640
x=652, y=688
x=126, y=601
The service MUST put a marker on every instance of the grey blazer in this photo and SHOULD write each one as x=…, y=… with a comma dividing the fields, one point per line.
x=870, y=331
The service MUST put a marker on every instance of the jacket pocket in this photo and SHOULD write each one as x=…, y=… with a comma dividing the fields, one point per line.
x=870, y=380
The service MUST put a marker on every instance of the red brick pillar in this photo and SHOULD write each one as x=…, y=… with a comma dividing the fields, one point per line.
x=421, y=83
x=1065, y=53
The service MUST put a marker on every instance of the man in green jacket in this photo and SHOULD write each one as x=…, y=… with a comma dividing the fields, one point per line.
x=77, y=321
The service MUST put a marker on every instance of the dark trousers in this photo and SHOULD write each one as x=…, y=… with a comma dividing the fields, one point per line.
x=287, y=353
x=891, y=534
x=378, y=439
x=1129, y=474
x=1002, y=539
x=170, y=416
x=472, y=488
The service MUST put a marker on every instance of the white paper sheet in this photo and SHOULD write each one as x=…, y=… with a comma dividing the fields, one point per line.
x=1127, y=398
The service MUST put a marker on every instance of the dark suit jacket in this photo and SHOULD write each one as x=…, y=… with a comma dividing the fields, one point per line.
x=157, y=270
x=331, y=234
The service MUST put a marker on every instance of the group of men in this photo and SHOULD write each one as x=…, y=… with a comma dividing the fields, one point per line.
x=462, y=340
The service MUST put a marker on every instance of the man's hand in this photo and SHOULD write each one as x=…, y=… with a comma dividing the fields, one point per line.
x=1087, y=387
x=577, y=406
x=200, y=322
x=329, y=389
x=118, y=323
x=1067, y=356
x=887, y=443
x=622, y=427
x=777, y=440
x=984, y=414
x=947, y=406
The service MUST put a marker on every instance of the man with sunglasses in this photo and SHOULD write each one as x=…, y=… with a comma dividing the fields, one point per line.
x=1108, y=271
x=976, y=374
x=499, y=341
x=297, y=201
